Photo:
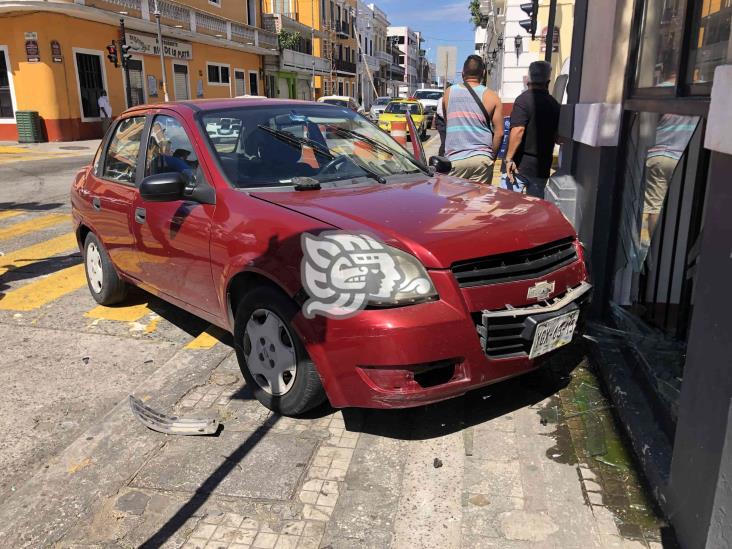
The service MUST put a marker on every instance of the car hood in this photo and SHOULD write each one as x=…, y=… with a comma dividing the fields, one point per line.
x=440, y=220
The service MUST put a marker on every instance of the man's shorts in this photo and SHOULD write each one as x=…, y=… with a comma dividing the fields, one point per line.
x=478, y=168
x=659, y=171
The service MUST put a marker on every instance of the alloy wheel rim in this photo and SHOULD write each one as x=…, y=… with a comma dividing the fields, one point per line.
x=94, y=267
x=270, y=352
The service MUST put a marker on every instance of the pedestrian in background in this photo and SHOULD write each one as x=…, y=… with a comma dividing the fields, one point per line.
x=105, y=111
x=534, y=126
x=474, y=117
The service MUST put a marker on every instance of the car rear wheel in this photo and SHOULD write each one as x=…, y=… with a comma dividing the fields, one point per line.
x=271, y=355
x=105, y=285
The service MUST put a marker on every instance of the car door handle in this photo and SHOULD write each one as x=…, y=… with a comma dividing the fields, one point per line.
x=140, y=215
x=96, y=203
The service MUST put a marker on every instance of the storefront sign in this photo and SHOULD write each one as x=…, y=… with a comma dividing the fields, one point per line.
x=56, y=51
x=147, y=44
x=32, y=52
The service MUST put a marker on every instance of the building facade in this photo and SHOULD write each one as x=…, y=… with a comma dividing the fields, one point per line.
x=382, y=50
x=371, y=32
x=292, y=74
x=340, y=46
x=406, y=41
x=54, y=61
x=508, y=50
x=645, y=176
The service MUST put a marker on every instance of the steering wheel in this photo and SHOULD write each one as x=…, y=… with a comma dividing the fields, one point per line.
x=334, y=165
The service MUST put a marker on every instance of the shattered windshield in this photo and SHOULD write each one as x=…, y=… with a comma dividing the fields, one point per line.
x=268, y=147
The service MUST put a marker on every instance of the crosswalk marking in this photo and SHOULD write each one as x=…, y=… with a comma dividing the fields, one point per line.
x=7, y=214
x=19, y=229
x=132, y=313
x=37, y=252
x=44, y=290
x=206, y=340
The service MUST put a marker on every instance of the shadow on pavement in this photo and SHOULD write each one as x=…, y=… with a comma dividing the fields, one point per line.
x=204, y=491
x=31, y=206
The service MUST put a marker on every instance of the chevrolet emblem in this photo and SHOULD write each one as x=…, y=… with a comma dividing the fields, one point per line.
x=541, y=290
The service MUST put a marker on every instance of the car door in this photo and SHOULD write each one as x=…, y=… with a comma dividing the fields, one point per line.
x=172, y=238
x=111, y=191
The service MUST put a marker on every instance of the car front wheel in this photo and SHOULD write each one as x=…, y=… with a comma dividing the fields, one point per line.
x=271, y=355
x=105, y=285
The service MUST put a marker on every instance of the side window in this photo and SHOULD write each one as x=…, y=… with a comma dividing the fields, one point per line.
x=120, y=164
x=169, y=149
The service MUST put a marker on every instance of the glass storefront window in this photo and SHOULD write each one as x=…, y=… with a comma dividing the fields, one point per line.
x=660, y=48
x=709, y=39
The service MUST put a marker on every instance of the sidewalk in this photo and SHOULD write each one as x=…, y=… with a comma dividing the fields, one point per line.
x=11, y=151
x=531, y=463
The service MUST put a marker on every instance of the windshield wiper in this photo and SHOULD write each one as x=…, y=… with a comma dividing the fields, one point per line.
x=371, y=173
x=377, y=145
x=294, y=140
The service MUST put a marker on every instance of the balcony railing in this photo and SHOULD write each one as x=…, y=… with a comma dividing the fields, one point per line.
x=291, y=60
x=180, y=16
x=342, y=29
x=384, y=57
x=344, y=66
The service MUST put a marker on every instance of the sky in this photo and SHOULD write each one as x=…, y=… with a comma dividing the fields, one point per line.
x=442, y=23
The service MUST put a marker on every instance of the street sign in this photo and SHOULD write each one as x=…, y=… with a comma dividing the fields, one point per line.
x=446, y=62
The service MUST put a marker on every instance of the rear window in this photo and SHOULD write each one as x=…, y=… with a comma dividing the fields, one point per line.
x=382, y=101
x=403, y=108
x=336, y=102
x=428, y=94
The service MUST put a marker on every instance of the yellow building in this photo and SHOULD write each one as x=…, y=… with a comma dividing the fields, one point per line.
x=53, y=57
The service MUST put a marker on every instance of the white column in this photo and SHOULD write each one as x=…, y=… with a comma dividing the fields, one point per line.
x=192, y=14
x=145, y=9
x=228, y=30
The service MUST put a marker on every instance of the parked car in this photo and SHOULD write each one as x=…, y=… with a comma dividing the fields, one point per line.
x=342, y=101
x=378, y=107
x=396, y=111
x=429, y=98
x=215, y=226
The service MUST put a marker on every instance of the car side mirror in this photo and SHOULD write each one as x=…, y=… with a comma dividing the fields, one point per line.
x=440, y=164
x=163, y=187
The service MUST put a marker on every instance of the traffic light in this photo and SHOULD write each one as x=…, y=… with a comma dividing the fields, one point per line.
x=112, y=53
x=531, y=9
x=125, y=54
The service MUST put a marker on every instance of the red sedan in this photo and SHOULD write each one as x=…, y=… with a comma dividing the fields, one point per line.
x=435, y=285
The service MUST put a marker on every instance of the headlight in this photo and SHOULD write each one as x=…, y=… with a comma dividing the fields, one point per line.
x=405, y=281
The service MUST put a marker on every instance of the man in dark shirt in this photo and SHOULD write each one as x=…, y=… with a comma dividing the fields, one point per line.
x=534, y=124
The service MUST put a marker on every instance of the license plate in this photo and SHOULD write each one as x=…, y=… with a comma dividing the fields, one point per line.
x=553, y=333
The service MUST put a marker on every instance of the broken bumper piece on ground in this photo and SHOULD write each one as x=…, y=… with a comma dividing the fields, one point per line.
x=171, y=425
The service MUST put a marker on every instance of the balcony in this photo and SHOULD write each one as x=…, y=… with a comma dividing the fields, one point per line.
x=384, y=58
x=342, y=29
x=372, y=62
x=344, y=66
x=304, y=63
x=180, y=17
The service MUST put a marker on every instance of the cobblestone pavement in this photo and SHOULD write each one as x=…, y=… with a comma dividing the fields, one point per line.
x=530, y=463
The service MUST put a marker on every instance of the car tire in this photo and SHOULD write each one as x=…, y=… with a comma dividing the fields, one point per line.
x=105, y=285
x=271, y=355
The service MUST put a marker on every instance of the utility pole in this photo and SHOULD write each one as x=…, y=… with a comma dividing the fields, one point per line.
x=162, y=57
x=549, y=42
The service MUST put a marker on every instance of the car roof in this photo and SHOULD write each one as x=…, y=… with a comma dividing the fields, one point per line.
x=215, y=104
x=339, y=97
x=404, y=101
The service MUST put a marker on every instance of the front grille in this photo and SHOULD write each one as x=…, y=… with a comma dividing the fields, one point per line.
x=504, y=337
x=512, y=336
x=513, y=266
